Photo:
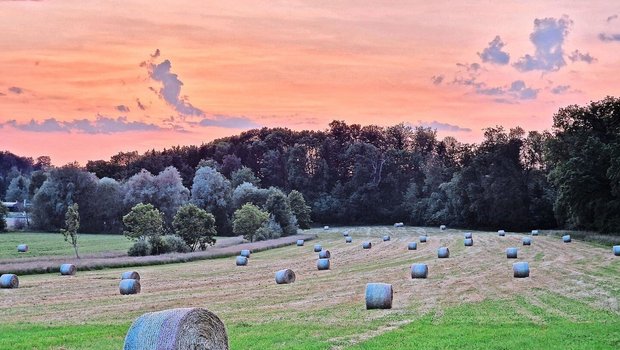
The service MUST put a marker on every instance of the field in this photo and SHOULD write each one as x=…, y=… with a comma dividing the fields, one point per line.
x=469, y=301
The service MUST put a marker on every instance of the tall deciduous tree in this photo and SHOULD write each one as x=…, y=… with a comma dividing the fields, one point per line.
x=300, y=209
x=248, y=219
x=195, y=226
x=211, y=191
x=144, y=222
x=72, y=225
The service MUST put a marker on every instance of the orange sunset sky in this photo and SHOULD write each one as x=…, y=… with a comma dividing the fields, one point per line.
x=83, y=80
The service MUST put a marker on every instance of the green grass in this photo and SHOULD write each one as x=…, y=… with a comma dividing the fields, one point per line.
x=53, y=244
x=39, y=337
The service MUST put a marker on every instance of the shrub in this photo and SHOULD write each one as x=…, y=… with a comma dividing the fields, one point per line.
x=140, y=248
x=269, y=230
x=175, y=244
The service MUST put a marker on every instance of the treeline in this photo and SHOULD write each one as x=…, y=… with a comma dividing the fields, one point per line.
x=353, y=174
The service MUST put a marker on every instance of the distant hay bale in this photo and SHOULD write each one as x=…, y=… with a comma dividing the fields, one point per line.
x=322, y=264
x=324, y=254
x=241, y=261
x=399, y=224
x=521, y=269
x=386, y=238
x=348, y=239
x=129, y=286
x=468, y=235
x=9, y=281
x=130, y=275
x=419, y=271
x=468, y=242
x=616, y=250
x=423, y=239
x=501, y=233
x=443, y=253
x=535, y=232
x=566, y=238
x=300, y=242
x=345, y=234
x=527, y=241
x=379, y=296
x=442, y=227
x=177, y=329
x=22, y=248
x=412, y=246
x=245, y=252
x=67, y=269
x=366, y=245
x=511, y=253
x=317, y=248
x=325, y=228
x=285, y=276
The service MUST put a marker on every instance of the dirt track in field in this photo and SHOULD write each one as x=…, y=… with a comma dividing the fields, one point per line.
x=249, y=294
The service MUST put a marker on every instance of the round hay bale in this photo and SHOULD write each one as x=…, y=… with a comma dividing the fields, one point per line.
x=322, y=264
x=325, y=228
x=419, y=271
x=129, y=286
x=423, y=239
x=468, y=235
x=22, y=248
x=616, y=250
x=534, y=232
x=300, y=242
x=324, y=254
x=241, y=261
x=412, y=246
x=366, y=245
x=443, y=253
x=501, y=233
x=511, y=253
x=317, y=248
x=566, y=238
x=285, y=276
x=442, y=227
x=399, y=224
x=345, y=234
x=379, y=296
x=468, y=242
x=521, y=269
x=386, y=238
x=527, y=241
x=67, y=269
x=348, y=239
x=177, y=329
x=9, y=281
x=245, y=252
x=130, y=275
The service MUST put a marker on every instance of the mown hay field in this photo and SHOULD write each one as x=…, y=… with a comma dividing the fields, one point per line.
x=470, y=300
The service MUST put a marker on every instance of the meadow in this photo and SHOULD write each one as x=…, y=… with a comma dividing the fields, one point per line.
x=469, y=301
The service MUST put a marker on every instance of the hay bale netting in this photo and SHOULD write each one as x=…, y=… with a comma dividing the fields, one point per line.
x=129, y=286
x=348, y=239
x=246, y=253
x=527, y=241
x=366, y=245
x=566, y=238
x=521, y=269
x=467, y=235
x=317, y=248
x=616, y=250
x=412, y=246
x=443, y=252
x=67, y=269
x=22, y=248
x=300, y=242
x=511, y=253
x=177, y=329
x=130, y=275
x=9, y=281
x=423, y=239
x=468, y=242
x=442, y=227
x=386, y=238
x=324, y=254
x=379, y=296
x=325, y=228
x=535, y=232
x=322, y=264
x=241, y=260
x=501, y=233
x=419, y=271
x=285, y=276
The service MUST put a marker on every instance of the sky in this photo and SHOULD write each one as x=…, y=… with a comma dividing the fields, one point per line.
x=84, y=80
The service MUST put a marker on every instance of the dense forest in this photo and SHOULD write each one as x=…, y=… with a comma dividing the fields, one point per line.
x=352, y=174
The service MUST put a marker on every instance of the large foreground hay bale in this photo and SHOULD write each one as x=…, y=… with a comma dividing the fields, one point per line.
x=386, y=238
x=527, y=241
x=521, y=269
x=379, y=296
x=423, y=239
x=325, y=254
x=67, y=269
x=9, y=281
x=566, y=238
x=245, y=252
x=130, y=275
x=129, y=286
x=300, y=242
x=501, y=233
x=322, y=264
x=468, y=242
x=366, y=245
x=442, y=227
x=22, y=248
x=419, y=271
x=443, y=253
x=348, y=239
x=412, y=246
x=177, y=329
x=241, y=261
x=616, y=250
x=511, y=253
x=285, y=276
x=317, y=248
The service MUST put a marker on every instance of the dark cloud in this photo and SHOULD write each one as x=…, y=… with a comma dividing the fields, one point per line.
x=16, y=90
x=609, y=37
x=611, y=18
x=560, y=89
x=140, y=105
x=437, y=79
x=577, y=56
x=101, y=125
x=171, y=89
x=548, y=38
x=223, y=121
x=443, y=126
x=122, y=108
x=494, y=54
x=473, y=68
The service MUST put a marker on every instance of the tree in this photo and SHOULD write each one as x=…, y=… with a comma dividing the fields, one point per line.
x=248, y=219
x=249, y=193
x=18, y=189
x=72, y=224
x=278, y=205
x=244, y=174
x=300, y=209
x=108, y=203
x=144, y=222
x=195, y=226
x=3, y=212
x=211, y=191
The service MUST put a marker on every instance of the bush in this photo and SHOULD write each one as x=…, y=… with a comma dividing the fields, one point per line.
x=140, y=248
x=174, y=244
x=269, y=230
